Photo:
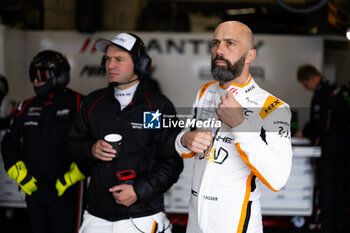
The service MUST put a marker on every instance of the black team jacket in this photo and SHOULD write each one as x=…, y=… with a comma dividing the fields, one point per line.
x=150, y=153
x=38, y=135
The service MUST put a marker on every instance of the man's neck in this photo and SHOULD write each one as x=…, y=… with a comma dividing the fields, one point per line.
x=242, y=79
x=126, y=86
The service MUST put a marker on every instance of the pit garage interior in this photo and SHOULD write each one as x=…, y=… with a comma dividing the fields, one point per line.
x=288, y=33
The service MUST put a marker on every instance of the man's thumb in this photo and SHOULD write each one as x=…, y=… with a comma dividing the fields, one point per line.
x=229, y=95
x=115, y=188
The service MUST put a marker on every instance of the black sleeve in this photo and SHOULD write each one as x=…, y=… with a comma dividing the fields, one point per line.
x=340, y=114
x=11, y=143
x=79, y=140
x=310, y=131
x=168, y=165
x=5, y=122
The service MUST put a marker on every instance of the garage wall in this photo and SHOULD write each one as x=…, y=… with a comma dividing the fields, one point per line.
x=181, y=62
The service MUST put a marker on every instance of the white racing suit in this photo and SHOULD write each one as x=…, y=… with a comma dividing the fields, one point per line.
x=227, y=178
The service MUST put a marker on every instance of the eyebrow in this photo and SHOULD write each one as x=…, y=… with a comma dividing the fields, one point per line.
x=226, y=39
x=230, y=39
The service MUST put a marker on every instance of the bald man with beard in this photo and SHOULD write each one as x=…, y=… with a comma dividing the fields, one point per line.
x=250, y=148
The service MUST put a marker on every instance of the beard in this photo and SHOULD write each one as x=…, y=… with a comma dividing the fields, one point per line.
x=232, y=71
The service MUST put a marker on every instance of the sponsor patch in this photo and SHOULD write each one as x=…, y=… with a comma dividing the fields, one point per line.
x=270, y=105
x=247, y=112
x=249, y=89
x=281, y=123
x=34, y=109
x=250, y=101
x=31, y=123
x=33, y=113
x=63, y=112
x=135, y=125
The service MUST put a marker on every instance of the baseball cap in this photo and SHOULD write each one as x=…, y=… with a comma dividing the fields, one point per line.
x=126, y=41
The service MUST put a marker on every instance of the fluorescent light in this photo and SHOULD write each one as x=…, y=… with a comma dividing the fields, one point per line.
x=243, y=11
x=348, y=34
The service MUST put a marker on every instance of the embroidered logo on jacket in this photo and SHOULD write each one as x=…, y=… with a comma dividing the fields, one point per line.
x=270, y=105
x=136, y=125
x=63, y=112
x=33, y=123
x=34, y=111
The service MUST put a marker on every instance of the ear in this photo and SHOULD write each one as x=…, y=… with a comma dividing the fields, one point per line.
x=250, y=56
x=317, y=78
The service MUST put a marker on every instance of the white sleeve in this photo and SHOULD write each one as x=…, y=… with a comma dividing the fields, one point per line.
x=271, y=159
x=181, y=150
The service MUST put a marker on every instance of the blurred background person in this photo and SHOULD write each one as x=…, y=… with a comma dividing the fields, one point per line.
x=4, y=89
x=329, y=128
x=34, y=150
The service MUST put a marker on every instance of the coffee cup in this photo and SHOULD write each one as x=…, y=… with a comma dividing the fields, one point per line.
x=115, y=140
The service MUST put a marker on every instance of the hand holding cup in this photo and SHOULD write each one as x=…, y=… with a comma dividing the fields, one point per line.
x=115, y=140
x=108, y=148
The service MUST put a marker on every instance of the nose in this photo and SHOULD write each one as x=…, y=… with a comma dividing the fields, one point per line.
x=219, y=50
x=111, y=63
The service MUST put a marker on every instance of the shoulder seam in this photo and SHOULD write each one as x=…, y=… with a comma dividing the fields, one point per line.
x=98, y=100
x=24, y=106
x=205, y=87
